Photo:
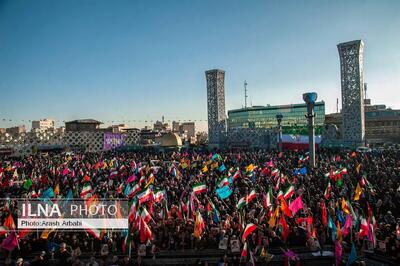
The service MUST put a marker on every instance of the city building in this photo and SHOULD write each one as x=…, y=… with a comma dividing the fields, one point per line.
x=294, y=122
x=186, y=130
x=170, y=139
x=215, y=106
x=382, y=125
x=117, y=128
x=43, y=124
x=82, y=125
x=16, y=130
x=161, y=126
x=351, y=56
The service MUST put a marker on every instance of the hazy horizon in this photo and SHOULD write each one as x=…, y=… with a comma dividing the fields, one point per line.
x=130, y=60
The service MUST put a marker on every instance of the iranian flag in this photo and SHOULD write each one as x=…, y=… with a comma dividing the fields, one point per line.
x=224, y=181
x=363, y=228
x=268, y=198
x=93, y=231
x=145, y=196
x=274, y=172
x=251, y=196
x=236, y=175
x=159, y=195
x=144, y=230
x=280, y=195
x=247, y=231
x=145, y=215
x=242, y=202
x=328, y=189
x=87, y=188
x=244, y=251
x=199, y=188
x=113, y=174
x=289, y=192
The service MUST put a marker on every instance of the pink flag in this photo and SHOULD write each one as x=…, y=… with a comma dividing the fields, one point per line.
x=346, y=226
x=65, y=171
x=296, y=205
x=10, y=242
x=338, y=252
x=131, y=179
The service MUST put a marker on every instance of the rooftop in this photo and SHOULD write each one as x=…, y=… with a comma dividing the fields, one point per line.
x=85, y=121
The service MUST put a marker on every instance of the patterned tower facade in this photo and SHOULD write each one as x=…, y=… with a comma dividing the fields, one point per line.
x=215, y=105
x=352, y=81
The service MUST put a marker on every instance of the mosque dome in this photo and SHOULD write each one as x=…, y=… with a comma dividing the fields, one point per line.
x=171, y=140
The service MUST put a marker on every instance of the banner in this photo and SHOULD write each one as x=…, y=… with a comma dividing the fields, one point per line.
x=113, y=140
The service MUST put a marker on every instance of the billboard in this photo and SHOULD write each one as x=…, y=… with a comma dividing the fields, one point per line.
x=113, y=140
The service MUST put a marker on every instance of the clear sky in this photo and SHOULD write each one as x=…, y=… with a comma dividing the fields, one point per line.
x=139, y=60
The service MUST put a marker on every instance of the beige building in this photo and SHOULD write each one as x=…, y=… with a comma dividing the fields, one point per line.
x=43, y=124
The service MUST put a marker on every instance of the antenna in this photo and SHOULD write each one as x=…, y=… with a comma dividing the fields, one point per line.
x=245, y=94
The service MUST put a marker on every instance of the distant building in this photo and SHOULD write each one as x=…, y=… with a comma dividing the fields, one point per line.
x=170, y=140
x=189, y=128
x=160, y=126
x=249, y=122
x=381, y=124
x=82, y=125
x=118, y=128
x=216, y=106
x=43, y=124
x=186, y=130
x=16, y=130
x=175, y=126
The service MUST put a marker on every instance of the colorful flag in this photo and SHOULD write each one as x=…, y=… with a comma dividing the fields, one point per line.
x=145, y=196
x=144, y=231
x=338, y=253
x=198, y=226
x=289, y=192
x=224, y=181
x=285, y=227
x=224, y=192
x=87, y=188
x=131, y=179
x=352, y=256
x=244, y=251
x=251, y=196
x=285, y=209
x=199, y=188
x=347, y=225
x=358, y=192
x=248, y=230
x=159, y=195
x=296, y=205
x=268, y=199
x=222, y=168
x=327, y=192
x=242, y=202
x=10, y=242
x=364, y=228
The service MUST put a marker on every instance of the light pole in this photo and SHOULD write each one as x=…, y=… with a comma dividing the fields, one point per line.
x=279, y=120
x=310, y=98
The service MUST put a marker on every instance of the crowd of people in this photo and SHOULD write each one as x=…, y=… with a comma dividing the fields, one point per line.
x=244, y=202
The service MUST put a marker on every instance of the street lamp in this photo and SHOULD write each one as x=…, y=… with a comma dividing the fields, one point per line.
x=310, y=98
x=279, y=120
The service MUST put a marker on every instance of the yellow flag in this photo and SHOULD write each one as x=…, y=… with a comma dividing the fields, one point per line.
x=358, y=168
x=205, y=169
x=111, y=163
x=15, y=175
x=250, y=168
x=345, y=208
x=358, y=192
x=339, y=232
x=272, y=220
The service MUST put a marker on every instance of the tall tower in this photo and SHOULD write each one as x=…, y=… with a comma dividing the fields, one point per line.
x=352, y=79
x=215, y=105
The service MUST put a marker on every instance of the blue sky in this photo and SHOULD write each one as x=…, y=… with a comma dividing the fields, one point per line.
x=139, y=60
